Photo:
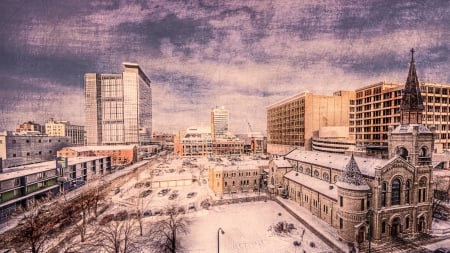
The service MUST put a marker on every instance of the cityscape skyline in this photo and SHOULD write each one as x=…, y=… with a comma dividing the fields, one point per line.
x=244, y=56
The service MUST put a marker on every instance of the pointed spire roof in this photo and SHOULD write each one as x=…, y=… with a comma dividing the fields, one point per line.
x=351, y=177
x=412, y=98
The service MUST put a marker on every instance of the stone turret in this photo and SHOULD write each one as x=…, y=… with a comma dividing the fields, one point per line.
x=353, y=192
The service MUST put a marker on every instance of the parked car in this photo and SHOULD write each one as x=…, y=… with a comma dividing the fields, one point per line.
x=138, y=185
x=442, y=250
x=191, y=194
x=106, y=219
x=173, y=196
x=147, y=213
x=120, y=216
x=116, y=190
x=163, y=192
x=145, y=193
x=148, y=184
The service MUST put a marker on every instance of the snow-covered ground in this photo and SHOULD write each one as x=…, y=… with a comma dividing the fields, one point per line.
x=248, y=228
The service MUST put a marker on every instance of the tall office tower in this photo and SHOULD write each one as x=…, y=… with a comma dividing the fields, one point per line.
x=219, y=122
x=118, y=107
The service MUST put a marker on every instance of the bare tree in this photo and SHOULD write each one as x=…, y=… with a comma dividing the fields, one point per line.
x=118, y=236
x=36, y=228
x=163, y=233
x=441, y=195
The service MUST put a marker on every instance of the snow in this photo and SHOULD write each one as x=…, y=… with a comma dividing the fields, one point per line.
x=321, y=186
x=247, y=228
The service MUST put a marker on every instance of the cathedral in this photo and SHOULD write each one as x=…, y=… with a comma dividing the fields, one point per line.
x=367, y=198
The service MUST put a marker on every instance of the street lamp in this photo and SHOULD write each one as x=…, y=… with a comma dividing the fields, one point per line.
x=220, y=230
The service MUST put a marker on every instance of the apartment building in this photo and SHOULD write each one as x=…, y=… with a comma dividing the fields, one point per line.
x=20, y=186
x=378, y=107
x=18, y=149
x=64, y=128
x=292, y=122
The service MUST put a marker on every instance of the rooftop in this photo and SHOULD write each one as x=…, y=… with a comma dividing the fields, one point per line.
x=319, y=185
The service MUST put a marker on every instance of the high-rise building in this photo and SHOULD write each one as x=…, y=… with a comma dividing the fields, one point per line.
x=118, y=107
x=294, y=121
x=64, y=128
x=219, y=122
x=378, y=107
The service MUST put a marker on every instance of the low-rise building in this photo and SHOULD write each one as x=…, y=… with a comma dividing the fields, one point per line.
x=121, y=155
x=64, y=128
x=18, y=149
x=30, y=126
x=21, y=186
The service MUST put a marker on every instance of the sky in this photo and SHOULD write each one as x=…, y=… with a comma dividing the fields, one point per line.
x=244, y=55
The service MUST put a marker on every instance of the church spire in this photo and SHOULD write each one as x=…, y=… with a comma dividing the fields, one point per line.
x=411, y=107
x=351, y=174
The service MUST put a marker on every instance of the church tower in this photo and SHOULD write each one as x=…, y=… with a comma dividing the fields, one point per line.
x=353, y=192
x=411, y=140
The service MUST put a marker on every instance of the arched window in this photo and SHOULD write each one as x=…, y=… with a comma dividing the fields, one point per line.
x=300, y=168
x=316, y=173
x=423, y=152
x=402, y=152
x=395, y=197
x=383, y=194
x=407, y=191
x=407, y=223
x=326, y=177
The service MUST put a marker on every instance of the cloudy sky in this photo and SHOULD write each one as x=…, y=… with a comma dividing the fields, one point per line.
x=244, y=55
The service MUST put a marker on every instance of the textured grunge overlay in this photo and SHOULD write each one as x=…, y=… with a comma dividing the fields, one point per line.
x=244, y=55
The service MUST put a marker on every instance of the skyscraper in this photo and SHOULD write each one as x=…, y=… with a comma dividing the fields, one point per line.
x=219, y=122
x=118, y=107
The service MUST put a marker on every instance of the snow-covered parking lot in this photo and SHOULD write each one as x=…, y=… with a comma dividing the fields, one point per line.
x=249, y=227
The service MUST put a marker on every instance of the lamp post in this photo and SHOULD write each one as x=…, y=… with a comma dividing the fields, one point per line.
x=220, y=230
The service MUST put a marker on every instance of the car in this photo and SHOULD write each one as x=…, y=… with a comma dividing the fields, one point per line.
x=173, y=196
x=116, y=190
x=145, y=193
x=147, y=213
x=163, y=192
x=191, y=194
x=122, y=215
x=138, y=185
x=442, y=250
x=106, y=219
x=148, y=184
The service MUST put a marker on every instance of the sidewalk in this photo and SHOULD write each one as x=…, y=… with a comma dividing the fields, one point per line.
x=319, y=227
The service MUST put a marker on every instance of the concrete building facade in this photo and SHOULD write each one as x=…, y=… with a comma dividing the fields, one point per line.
x=219, y=122
x=294, y=121
x=26, y=148
x=118, y=107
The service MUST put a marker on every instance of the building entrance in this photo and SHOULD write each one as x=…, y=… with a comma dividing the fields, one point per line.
x=395, y=228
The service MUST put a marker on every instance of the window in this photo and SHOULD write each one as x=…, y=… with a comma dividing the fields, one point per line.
x=422, y=193
x=395, y=197
x=341, y=201
x=383, y=227
x=407, y=223
x=316, y=173
x=341, y=223
x=383, y=194
x=362, y=204
x=407, y=189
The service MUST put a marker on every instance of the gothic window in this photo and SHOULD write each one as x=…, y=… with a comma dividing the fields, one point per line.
x=300, y=169
x=308, y=171
x=407, y=190
x=383, y=194
x=383, y=227
x=316, y=173
x=423, y=152
x=395, y=197
x=406, y=222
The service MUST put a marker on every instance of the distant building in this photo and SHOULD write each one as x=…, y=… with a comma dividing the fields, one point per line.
x=64, y=128
x=118, y=107
x=236, y=177
x=30, y=126
x=334, y=139
x=294, y=121
x=121, y=155
x=219, y=122
x=21, y=186
x=29, y=147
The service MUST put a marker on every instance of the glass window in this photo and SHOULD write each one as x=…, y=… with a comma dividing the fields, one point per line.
x=395, y=197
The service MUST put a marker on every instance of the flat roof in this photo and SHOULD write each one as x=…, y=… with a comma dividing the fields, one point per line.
x=93, y=148
x=20, y=171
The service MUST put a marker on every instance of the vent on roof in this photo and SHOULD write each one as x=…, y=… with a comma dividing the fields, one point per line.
x=331, y=187
x=296, y=174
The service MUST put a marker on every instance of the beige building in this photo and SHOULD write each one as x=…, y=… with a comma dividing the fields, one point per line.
x=378, y=107
x=64, y=128
x=294, y=121
x=238, y=177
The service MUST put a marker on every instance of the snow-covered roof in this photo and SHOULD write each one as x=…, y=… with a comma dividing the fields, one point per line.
x=325, y=188
x=93, y=148
x=337, y=161
x=281, y=163
x=20, y=171
x=351, y=177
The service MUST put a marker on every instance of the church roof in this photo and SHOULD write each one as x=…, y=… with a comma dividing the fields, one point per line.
x=412, y=98
x=351, y=177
